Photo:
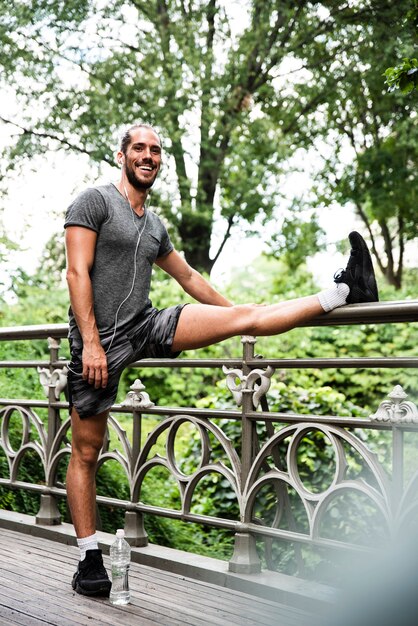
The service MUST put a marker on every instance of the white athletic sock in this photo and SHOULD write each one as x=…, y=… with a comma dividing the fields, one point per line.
x=334, y=297
x=87, y=543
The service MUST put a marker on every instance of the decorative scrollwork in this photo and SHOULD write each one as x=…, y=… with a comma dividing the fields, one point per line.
x=15, y=454
x=56, y=379
x=376, y=489
x=49, y=457
x=397, y=409
x=248, y=383
x=248, y=339
x=124, y=458
x=187, y=483
x=137, y=398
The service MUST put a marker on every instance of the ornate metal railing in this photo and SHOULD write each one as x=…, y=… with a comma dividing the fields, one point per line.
x=265, y=473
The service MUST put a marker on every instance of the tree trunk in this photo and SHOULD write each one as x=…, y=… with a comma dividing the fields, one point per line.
x=195, y=230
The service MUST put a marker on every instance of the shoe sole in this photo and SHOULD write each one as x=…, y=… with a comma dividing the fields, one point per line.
x=103, y=591
x=357, y=241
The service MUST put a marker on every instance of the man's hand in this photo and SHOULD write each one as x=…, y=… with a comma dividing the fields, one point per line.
x=95, y=365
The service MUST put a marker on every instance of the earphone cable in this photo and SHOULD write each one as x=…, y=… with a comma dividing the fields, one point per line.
x=133, y=214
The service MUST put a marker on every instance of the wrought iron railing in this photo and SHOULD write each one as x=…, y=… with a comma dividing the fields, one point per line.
x=267, y=464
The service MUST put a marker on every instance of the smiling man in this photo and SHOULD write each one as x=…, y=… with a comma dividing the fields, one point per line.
x=112, y=242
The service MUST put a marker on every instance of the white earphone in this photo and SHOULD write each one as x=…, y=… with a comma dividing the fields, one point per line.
x=140, y=233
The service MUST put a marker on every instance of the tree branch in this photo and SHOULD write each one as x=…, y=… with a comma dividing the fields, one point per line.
x=308, y=107
x=399, y=272
x=363, y=216
x=46, y=135
x=225, y=239
x=390, y=269
x=143, y=9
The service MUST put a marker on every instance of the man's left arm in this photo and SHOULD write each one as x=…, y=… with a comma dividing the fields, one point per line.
x=190, y=280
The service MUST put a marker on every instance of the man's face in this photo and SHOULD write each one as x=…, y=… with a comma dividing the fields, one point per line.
x=142, y=160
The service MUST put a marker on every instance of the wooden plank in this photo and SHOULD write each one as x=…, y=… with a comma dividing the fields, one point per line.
x=159, y=612
x=245, y=599
x=70, y=601
x=11, y=617
x=212, y=596
x=79, y=609
x=35, y=578
x=154, y=592
x=151, y=589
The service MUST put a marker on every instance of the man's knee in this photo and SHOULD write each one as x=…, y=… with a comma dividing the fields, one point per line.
x=87, y=452
x=87, y=438
x=248, y=317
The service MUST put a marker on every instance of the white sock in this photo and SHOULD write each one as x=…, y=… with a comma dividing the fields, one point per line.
x=334, y=297
x=87, y=543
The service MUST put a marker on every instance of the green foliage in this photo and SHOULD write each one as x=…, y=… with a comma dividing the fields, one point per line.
x=111, y=482
x=234, y=100
x=250, y=120
x=369, y=136
x=383, y=182
x=6, y=246
x=30, y=470
x=36, y=305
x=403, y=76
x=339, y=392
x=296, y=240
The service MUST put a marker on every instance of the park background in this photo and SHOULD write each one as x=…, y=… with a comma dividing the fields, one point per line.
x=285, y=125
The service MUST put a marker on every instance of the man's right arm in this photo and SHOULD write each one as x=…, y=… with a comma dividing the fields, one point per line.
x=80, y=245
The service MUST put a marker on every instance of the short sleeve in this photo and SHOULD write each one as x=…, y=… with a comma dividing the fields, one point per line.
x=88, y=209
x=165, y=246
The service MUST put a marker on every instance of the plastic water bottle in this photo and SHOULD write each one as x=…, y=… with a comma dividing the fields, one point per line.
x=120, y=558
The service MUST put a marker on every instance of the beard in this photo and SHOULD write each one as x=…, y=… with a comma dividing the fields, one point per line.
x=135, y=182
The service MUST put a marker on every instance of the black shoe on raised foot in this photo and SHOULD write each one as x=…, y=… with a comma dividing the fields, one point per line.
x=91, y=578
x=359, y=273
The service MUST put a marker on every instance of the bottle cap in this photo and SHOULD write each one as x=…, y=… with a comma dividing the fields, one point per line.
x=120, y=532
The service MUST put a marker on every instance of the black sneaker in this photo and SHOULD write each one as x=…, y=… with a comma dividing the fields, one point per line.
x=359, y=273
x=91, y=578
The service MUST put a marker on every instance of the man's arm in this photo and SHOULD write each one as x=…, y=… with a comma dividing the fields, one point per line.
x=80, y=247
x=190, y=280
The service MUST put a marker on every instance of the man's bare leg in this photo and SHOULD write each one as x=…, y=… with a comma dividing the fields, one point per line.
x=201, y=325
x=87, y=441
x=91, y=578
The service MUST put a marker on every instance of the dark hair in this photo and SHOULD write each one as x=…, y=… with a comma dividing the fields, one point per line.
x=126, y=137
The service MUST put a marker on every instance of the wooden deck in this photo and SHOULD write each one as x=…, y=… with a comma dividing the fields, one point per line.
x=35, y=590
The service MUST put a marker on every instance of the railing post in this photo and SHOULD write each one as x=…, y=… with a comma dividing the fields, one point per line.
x=48, y=513
x=135, y=531
x=397, y=410
x=245, y=559
x=397, y=468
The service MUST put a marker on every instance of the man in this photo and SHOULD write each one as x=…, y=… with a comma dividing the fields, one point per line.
x=112, y=241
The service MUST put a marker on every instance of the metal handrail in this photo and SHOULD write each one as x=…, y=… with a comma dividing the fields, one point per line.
x=246, y=473
x=366, y=313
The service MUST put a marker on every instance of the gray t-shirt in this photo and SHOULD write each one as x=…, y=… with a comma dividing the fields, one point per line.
x=104, y=210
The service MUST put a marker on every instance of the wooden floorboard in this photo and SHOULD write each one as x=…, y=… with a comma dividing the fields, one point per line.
x=35, y=590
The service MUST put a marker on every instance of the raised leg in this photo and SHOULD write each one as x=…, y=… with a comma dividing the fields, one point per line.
x=87, y=441
x=202, y=324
